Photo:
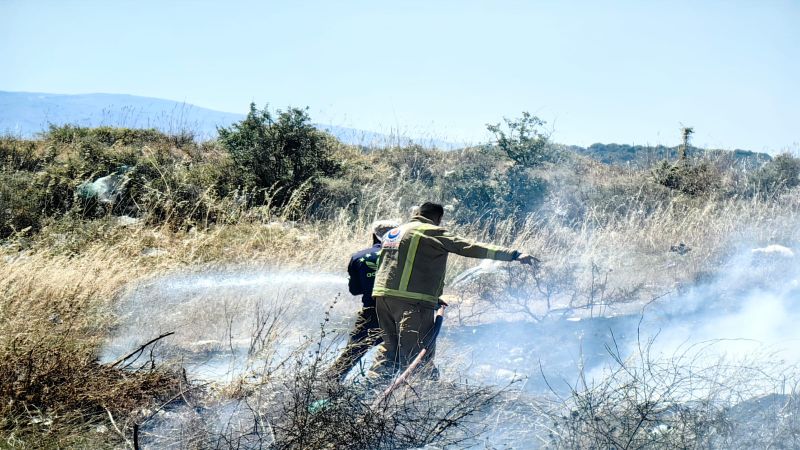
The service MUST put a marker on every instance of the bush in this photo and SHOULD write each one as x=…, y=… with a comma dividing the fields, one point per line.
x=415, y=163
x=525, y=193
x=693, y=180
x=53, y=391
x=487, y=191
x=19, y=155
x=28, y=197
x=474, y=192
x=50, y=178
x=66, y=134
x=782, y=173
x=295, y=405
x=687, y=400
x=523, y=141
x=279, y=153
x=18, y=203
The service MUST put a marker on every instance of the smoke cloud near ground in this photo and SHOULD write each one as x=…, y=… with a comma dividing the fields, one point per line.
x=753, y=306
x=748, y=308
x=747, y=311
x=220, y=316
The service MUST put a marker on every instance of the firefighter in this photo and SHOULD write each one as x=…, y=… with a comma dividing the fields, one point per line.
x=367, y=332
x=411, y=279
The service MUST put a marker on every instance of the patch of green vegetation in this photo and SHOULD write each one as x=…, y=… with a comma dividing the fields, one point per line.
x=278, y=154
x=645, y=156
x=691, y=179
x=776, y=176
x=279, y=162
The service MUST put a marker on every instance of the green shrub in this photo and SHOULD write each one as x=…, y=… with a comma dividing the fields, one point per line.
x=331, y=195
x=523, y=141
x=474, y=193
x=19, y=155
x=690, y=179
x=525, y=192
x=66, y=134
x=18, y=203
x=414, y=163
x=279, y=154
x=782, y=173
x=28, y=197
x=182, y=195
x=485, y=189
x=50, y=178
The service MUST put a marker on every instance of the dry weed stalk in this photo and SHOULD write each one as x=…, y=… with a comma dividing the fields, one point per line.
x=691, y=399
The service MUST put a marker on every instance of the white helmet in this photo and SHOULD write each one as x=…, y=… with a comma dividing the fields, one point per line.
x=381, y=227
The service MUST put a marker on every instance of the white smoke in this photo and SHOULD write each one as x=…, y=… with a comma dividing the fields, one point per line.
x=218, y=317
x=752, y=307
x=748, y=310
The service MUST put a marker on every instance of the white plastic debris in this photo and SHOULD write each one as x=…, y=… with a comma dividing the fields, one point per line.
x=127, y=221
x=105, y=189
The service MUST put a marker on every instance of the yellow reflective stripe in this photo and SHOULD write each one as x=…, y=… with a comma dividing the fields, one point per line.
x=416, y=233
x=381, y=292
x=402, y=291
x=491, y=250
x=410, y=256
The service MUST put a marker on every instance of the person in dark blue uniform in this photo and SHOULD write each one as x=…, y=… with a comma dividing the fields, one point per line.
x=367, y=331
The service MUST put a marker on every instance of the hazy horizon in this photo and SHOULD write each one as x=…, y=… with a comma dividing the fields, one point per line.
x=622, y=71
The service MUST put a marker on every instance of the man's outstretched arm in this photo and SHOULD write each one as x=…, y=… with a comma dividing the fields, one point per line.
x=465, y=247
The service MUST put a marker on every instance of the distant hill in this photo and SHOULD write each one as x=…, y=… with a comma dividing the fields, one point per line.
x=27, y=113
x=645, y=156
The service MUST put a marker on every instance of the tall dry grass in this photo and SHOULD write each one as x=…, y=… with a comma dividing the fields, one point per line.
x=604, y=235
x=626, y=259
x=54, y=315
x=57, y=305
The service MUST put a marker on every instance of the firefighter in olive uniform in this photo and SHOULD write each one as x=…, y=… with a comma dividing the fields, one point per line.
x=367, y=332
x=410, y=280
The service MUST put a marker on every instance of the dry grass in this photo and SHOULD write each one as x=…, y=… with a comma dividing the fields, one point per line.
x=288, y=402
x=690, y=399
x=58, y=287
x=618, y=259
x=57, y=308
x=54, y=315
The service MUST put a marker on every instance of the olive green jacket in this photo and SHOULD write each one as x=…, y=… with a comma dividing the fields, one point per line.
x=414, y=258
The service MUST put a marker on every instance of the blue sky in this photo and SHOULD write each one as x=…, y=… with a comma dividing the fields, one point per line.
x=618, y=71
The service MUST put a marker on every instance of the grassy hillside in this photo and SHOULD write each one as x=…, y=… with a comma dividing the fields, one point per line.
x=85, y=211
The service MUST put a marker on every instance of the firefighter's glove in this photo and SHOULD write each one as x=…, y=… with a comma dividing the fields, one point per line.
x=529, y=260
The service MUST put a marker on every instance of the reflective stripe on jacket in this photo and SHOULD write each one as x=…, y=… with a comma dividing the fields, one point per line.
x=414, y=259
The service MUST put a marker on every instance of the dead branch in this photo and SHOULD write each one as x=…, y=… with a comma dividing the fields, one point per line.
x=141, y=348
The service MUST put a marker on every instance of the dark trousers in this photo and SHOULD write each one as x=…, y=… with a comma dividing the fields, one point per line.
x=365, y=335
x=406, y=325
